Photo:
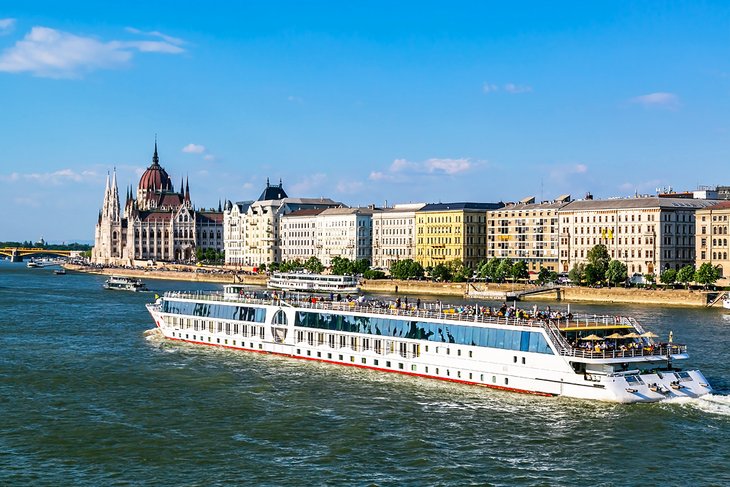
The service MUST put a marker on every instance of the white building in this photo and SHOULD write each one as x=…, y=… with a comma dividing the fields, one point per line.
x=254, y=229
x=298, y=234
x=234, y=231
x=393, y=234
x=344, y=232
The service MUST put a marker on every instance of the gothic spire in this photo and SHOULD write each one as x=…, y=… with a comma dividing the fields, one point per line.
x=187, y=189
x=155, y=157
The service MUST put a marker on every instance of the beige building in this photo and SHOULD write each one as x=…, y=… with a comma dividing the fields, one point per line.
x=526, y=231
x=713, y=227
x=448, y=231
x=298, y=232
x=344, y=232
x=648, y=234
x=394, y=234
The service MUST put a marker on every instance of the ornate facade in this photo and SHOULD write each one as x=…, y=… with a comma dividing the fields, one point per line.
x=159, y=224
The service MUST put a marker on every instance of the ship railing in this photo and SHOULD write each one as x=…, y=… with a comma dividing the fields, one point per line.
x=662, y=350
x=432, y=311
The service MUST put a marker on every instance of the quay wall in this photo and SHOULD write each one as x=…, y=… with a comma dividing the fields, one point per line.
x=669, y=297
x=172, y=275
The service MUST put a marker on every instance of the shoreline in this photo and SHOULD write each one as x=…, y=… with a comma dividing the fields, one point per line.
x=663, y=297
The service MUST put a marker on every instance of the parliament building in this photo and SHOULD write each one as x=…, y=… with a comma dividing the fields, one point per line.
x=159, y=224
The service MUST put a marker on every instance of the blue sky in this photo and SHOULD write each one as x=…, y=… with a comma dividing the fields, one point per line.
x=396, y=101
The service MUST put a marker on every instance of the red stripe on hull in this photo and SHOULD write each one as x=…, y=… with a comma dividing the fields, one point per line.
x=403, y=372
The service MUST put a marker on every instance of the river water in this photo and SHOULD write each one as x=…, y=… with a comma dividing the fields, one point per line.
x=87, y=399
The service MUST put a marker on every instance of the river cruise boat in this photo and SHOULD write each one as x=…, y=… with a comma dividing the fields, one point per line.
x=313, y=283
x=116, y=283
x=608, y=358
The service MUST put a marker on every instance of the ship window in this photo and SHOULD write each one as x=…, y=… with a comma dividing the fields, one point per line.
x=375, y=361
x=387, y=363
x=413, y=367
x=280, y=318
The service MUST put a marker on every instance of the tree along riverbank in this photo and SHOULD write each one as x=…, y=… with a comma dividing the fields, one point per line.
x=668, y=297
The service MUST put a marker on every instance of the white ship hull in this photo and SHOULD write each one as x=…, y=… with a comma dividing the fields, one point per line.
x=547, y=373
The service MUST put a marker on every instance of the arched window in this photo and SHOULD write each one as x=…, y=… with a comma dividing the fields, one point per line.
x=279, y=318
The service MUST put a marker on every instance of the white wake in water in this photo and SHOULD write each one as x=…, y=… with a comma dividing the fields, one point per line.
x=710, y=403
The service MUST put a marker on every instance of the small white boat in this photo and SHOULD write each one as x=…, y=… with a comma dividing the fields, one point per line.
x=308, y=282
x=60, y=272
x=117, y=283
x=726, y=302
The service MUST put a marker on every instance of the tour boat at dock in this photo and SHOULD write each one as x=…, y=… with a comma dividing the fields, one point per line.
x=726, y=302
x=117, y=283
x=608, y=358
x=312, y=283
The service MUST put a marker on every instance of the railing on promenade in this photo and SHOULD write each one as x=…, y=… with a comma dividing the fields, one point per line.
x=663, y=350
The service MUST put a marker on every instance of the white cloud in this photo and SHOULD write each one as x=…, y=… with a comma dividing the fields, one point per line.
x=511, y=88
x=490, y=88
x=659, y=100
x=6, y=26
x=642, y=187
x=517, y=89
x=560, y=174
x=347, y=187
x=404, y=170
x=52, y=178
x=51, y=53
x=194, y=149
x=308, y=184
x=169, y=39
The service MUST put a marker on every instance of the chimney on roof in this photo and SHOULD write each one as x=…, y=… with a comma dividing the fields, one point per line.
x=589, y=196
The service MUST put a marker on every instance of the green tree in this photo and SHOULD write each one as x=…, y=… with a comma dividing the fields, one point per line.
x=406, y=269
x=360, y=266
x=341, y=266
x=519, y=270
x=314, y=265
x=504, y=270
x=441, y=272
x=543, y=277
x=577, y=274
x=686, y=274
x=373, y=274
x=593, y=274
x=617, y=272
x=707, y=274
x=459, y=272
x=598, y=257
x=668, y=277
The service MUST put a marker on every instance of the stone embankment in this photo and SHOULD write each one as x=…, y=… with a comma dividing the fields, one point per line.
x=670, y=297
x=174, y=275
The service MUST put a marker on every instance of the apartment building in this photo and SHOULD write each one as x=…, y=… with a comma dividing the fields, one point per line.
x=713, y=226
x=394, y=234
x=448, y=231
x=648, y=234
x=526, y=231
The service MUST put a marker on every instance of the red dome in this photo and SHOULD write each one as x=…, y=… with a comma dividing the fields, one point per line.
x=155, y=177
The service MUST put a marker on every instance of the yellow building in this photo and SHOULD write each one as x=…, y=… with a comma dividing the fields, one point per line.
x=448, y=231
x=712, y=239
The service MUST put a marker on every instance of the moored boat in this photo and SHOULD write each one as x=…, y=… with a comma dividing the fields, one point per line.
x=609, y=358
x=117, y=283
x=309, y=282
x=60, y=272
